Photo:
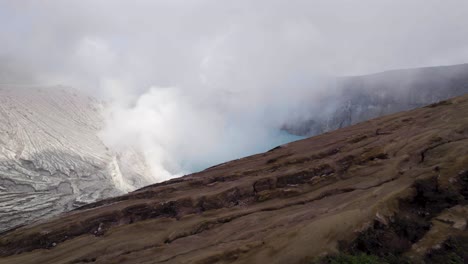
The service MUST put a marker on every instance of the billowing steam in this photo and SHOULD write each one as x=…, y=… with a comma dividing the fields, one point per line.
x=194, y=83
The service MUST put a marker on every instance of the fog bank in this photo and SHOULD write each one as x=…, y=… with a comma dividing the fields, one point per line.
x=195, y=83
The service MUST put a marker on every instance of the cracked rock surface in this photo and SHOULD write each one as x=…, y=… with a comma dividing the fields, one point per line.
x=289, y=205
x=51, y=158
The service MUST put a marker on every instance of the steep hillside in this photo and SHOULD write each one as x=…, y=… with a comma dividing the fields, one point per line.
x=393, y=187
x=51, y=158
x=355, y=99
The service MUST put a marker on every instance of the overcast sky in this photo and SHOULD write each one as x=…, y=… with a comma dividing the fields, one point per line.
x=225, y=43
x=216, y=76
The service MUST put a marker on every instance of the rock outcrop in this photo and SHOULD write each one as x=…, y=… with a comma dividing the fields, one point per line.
x=392, y=187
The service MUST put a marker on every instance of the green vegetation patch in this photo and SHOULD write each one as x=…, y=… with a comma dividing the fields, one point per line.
x=361, y=258
x=453, y=251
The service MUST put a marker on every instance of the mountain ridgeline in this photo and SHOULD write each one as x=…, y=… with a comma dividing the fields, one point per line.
x=359, y=98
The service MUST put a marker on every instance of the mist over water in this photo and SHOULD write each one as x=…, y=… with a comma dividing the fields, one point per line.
x=178, y=134
x=194, y=83
x=273, y=138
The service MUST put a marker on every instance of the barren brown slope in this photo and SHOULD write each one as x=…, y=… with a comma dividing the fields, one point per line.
x=288, y=205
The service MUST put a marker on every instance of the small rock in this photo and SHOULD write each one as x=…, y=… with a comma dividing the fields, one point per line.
x=381, y=219
x=460, y=225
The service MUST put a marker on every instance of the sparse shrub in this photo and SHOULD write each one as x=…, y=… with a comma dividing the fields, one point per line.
x=453, y=251
x=362, y=258
x=440, y=103
x=352, y=259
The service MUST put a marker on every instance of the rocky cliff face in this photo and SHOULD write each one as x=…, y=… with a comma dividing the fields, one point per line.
x=351, y=100
x=51, y=158
x=394, y=188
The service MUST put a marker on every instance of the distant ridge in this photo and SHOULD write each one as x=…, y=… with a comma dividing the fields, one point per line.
x=355, y=99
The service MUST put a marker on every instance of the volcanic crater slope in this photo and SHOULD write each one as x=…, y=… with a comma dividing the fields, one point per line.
x=394, y=188
x=51, y=158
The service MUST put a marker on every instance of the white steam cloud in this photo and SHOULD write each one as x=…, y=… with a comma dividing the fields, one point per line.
x=194, y=83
